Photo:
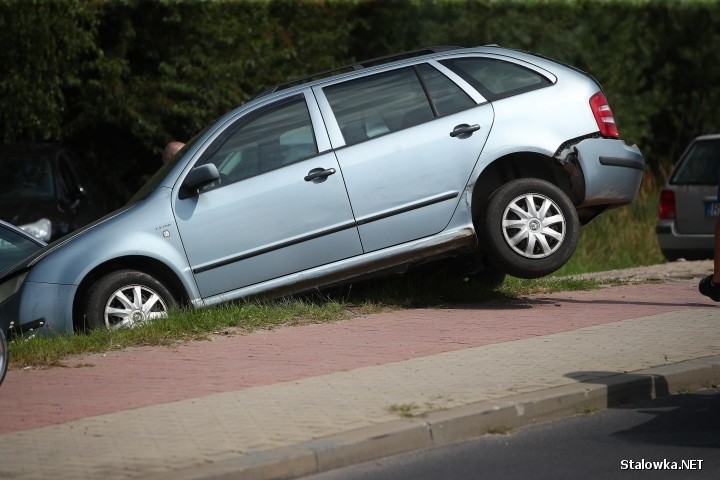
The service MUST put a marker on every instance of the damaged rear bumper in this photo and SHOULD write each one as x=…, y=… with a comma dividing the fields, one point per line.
x=604, y=172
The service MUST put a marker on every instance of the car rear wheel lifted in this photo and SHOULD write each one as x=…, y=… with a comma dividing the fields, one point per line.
x=531, y=228
x=126, y=298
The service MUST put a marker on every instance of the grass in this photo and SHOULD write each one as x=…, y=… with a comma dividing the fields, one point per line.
x=621, y=238
x=405, y=410
x=501, y=430
x=181, y=325
x=683, y=390
x=588, y=410
x=184, y=325
x=413, y=410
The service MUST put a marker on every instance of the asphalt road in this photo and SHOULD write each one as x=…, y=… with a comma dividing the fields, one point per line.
x=639, y=441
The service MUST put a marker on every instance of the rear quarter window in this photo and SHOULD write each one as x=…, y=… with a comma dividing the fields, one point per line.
x=496, y=79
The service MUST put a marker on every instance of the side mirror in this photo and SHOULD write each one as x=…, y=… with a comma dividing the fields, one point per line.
x=198, y=178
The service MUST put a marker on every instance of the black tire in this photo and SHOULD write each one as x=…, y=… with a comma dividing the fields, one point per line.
x=124, y=299
x=3, y=356
x=526, y=256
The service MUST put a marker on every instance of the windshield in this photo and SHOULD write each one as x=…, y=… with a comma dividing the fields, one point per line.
x=700, y=166
x=27, y=176
x=14, y=247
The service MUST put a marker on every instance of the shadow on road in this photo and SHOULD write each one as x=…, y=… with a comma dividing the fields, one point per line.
x=684, y=420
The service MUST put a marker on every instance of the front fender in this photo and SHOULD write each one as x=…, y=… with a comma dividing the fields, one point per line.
x=146, y=230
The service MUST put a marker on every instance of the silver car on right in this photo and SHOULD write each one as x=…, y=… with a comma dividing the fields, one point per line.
x=689, y=205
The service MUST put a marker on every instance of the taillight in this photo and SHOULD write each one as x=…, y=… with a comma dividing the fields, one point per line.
x=666, y=209
x=604, y=116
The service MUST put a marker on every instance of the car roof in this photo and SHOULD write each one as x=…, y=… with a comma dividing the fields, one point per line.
x=408, y=57
x=374, y=62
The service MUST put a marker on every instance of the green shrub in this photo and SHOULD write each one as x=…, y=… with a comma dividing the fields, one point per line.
x=624, y=237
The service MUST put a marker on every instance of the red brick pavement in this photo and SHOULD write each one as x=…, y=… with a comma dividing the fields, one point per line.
x=138, y=377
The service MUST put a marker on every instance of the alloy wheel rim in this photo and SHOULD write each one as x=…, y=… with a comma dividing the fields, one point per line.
x=132, y=305
x=533, y=226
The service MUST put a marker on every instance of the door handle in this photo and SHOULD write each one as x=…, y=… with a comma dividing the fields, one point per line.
x=318, y=175
x=464, y=130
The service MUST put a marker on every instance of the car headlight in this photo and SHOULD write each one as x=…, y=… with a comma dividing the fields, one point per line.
x=10, y=286
x=42, y=229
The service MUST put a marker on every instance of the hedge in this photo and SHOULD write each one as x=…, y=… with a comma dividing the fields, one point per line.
x=118, y=79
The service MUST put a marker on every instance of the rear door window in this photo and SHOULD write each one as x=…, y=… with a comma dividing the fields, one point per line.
x=391, y=101
x=496, y=79
x=378, y=104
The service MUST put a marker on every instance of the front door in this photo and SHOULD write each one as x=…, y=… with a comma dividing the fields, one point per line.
x=279, y=207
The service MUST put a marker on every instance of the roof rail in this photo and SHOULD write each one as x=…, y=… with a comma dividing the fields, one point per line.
x=357, y=66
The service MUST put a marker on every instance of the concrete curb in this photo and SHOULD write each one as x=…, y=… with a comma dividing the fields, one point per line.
x=595, y=391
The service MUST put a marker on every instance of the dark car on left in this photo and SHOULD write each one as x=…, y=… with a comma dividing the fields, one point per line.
x=15, y=245
x=48, y=190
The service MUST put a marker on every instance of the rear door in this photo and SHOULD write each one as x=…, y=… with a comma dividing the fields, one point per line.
x=407, y=141
x=695, y=180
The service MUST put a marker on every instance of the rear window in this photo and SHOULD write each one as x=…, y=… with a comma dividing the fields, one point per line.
x=496, y=79
x=700, y=165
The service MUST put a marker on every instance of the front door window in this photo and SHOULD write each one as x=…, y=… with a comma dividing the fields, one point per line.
x=279, y=136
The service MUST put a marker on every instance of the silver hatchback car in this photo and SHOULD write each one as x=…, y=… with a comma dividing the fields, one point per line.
x=689, y=204
x=425, y=155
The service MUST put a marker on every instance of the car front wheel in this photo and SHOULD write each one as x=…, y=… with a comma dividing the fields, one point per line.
x=126, y=298
x=531, y=228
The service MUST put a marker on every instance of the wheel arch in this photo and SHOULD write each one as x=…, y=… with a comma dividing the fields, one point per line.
x=148, y=265
x=514, y=166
